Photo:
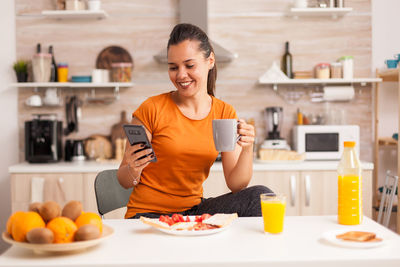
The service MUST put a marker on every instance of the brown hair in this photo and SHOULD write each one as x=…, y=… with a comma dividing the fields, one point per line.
x=185, y=31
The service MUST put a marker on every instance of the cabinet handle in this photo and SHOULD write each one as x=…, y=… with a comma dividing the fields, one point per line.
x=292, y=190
x=60, y=183
x=307, y=184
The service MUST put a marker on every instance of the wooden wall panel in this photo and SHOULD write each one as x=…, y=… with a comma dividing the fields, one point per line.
x=255, y=29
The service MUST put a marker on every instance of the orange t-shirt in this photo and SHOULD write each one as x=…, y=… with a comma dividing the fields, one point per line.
x=185, y=152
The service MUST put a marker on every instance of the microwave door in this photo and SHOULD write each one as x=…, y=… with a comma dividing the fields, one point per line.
x=322, y=145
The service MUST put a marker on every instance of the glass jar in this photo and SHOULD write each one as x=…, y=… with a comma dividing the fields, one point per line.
x=322, y=71
x=121, y=72
x=336, y=70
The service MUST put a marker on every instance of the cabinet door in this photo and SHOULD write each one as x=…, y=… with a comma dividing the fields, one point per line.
x=89, y=198
x=215, y=185
x=59, y=187
x=285, y=182
x=318, y=193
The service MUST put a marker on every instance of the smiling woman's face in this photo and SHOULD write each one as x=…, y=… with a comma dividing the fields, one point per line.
x=188, y=69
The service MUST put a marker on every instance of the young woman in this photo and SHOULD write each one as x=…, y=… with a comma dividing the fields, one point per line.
x=179, y=126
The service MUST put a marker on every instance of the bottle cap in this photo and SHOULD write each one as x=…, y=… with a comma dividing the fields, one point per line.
x=349, y=143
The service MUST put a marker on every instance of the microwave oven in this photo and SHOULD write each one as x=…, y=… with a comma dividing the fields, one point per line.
x=324, y=142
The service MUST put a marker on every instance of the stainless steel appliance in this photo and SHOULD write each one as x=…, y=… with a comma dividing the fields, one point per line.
x=43, y=137
x=324, y=142
x=274, y=118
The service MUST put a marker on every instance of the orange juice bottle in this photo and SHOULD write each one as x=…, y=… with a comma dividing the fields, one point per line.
x=349, y=187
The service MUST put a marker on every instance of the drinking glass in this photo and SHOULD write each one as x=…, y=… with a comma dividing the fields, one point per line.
x=273, y=212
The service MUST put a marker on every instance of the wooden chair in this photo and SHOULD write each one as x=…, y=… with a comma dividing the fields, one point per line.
x=388, y=195
x=110, y=195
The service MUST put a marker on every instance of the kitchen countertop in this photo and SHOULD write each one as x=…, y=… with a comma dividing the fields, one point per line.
x=242, y=244
x=94, y=167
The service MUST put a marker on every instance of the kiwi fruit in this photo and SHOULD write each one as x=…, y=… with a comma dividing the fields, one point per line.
x=87, y=232
x=35, y=206
x=40, y=235
x=50, y=210
x=72, y=210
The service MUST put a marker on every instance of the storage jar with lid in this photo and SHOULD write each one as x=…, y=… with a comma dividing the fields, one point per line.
x=347, y=66
x=336, y=70
x=322, y=71
x=121, y=72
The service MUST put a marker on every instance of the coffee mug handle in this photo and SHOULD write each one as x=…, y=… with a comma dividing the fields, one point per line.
x=239, y=136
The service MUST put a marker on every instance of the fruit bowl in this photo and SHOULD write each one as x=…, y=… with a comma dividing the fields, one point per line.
x=62, y=247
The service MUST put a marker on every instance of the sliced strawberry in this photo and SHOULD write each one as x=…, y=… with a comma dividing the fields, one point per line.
x=205, y=216
x=187, y=218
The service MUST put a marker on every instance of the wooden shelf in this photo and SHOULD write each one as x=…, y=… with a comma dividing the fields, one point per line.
x=389, y=75
x=362, y=81
x=72, y=85
x=334, y=12
x=74, y=14
x=387, y=141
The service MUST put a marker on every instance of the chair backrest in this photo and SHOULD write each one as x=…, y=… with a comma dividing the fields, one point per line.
x=110, y=195
x=388, y=194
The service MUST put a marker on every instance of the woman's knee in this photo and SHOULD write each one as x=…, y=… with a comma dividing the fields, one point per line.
x=259, y=189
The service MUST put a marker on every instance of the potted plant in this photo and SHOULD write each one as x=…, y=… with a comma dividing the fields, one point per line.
x=21, y=69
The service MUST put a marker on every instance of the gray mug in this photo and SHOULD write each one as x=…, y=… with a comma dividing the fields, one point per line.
x=225, y=134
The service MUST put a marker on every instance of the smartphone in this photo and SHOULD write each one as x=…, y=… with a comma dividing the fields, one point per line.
x=137, y=135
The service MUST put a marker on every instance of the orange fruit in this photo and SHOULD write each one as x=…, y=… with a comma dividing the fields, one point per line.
x=63, y=229
x=89, y=218
x=23, y=223
x=11, y=219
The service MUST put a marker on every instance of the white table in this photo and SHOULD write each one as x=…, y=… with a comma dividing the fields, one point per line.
x=242, y=244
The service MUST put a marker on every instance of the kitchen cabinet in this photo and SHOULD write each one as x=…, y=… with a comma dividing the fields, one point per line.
x=307, y=192
x=389, y=75
x=60, y=187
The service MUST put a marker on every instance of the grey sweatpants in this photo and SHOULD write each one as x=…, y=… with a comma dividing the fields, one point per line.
x=246, y=203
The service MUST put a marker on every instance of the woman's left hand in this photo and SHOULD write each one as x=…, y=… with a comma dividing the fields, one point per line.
x=247, y=134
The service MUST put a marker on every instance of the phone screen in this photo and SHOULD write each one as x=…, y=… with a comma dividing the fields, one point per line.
x=137, y=135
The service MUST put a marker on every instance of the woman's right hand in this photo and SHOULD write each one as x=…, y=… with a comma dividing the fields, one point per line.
x=136, y=165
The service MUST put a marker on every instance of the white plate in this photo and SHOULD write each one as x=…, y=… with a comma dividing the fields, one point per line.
x=193, y=232
x=278, y=161
x=330, y=237
x=64, y=247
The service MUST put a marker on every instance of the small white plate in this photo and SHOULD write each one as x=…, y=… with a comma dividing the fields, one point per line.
x=192, y=232
x=331, y=238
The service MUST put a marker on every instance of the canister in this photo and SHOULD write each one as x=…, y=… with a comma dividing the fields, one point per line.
x=336, y=70
x=347, y=67
x=322, y=71
x=121, y=72
x=41, y=64
x=62, y=72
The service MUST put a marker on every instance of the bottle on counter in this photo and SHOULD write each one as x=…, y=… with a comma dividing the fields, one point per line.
x=53, y=74
x=287, y=64
x=349, y=186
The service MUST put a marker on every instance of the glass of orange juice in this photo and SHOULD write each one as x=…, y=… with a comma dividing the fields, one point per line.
x=273, y=212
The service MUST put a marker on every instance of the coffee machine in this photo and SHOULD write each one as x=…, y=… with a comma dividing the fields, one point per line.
x=43, y=136
x=273, y=117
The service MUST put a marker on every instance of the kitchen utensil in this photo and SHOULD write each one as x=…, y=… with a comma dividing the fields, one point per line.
x=78, y=151
x=34, y=101
x=117, y=131
x=71, y=111
x=68, y=149
x=41, y=67
x=98, y=147
x=94, y=5
x=273, y=117
x=225, y=134
x=51, y=98
x=81, y=79
x=112, y=54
